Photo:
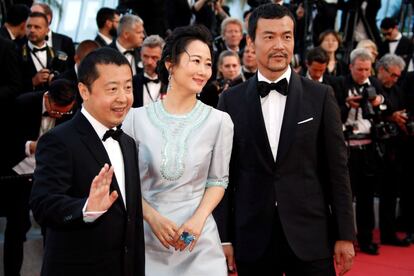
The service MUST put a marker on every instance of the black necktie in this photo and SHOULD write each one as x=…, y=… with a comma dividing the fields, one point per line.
x=264, y=88
x=115, y=134
x=147, y=80
x=128, y=52
x=35, y=50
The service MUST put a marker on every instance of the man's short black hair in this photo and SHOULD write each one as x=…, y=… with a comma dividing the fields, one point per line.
x=388, y=23
x=103, y=15
x=17, y=14
x=62, y=92
x=88, y=71
x=317, y=54
x=267, y=11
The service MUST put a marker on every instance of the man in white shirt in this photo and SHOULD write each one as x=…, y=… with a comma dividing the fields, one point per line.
x=147, y=86
x=107, y=20
x=86, y=190
x=130, y=37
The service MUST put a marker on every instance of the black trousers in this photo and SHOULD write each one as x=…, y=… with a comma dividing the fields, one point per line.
x=279, y=259
x=363, y=175
x=14, y=206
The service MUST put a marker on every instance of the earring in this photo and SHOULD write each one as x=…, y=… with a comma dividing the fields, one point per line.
x=169, y=81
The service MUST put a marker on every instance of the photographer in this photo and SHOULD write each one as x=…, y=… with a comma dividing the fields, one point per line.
x=389, y=70
x=40, y=63
x=210, y=13
x=361, y=101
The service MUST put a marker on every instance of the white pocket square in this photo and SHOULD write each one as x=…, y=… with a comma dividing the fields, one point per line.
x=305, y=121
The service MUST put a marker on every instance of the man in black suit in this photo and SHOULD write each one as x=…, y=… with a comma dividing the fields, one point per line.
x=288, y=207
x=394, y=42
x=147, y=87
x=14, y=27
x=59, y=42
x=316, y=62
x=107, y=20
x=130, y=37
x=10, y=87
x=38, y=60
x=86, y=190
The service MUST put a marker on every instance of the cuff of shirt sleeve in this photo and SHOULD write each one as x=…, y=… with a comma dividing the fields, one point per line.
x=89, y=217
x=27, y=148
x=226, y=243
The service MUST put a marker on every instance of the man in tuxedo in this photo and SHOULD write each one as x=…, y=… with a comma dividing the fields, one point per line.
x=107, y=20
x=14, y=27
x=60, y=42
x=394, y=42
x=288, y=207
x=86, y=190
x=316, y=62
x=10, y=87
x=147, y=87
x=249, y=63
x=130, y=37
x=38, y=60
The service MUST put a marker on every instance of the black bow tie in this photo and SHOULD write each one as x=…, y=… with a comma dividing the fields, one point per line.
x=264, y=88
x=147, y=80
x=35, y=50
x=360, y=87
x=45, y=114
x=115, y=134
x=128, y=52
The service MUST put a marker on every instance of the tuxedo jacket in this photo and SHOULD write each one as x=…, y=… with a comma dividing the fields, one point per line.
x=28, y=68
x=404, y=49
x=68, y=157
x=309, y=179
x=65, y=44
x=10, y=88
x=138, y=89
x=100, y=41
x=137, y=55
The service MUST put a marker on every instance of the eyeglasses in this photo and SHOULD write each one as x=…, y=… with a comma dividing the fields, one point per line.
x=393, y=75
x=386, y=33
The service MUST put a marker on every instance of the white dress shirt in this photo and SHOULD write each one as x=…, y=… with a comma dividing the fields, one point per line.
x=394, y=44
x=113, y=149
x=154, y=91
x=355, y=119
x=273, y=109
x=105, y=38
x=129, y=57
x=41, y=56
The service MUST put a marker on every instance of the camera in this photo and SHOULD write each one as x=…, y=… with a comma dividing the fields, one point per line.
x=58, y=63
x=384, y=130
x=409, y=125
x=368, y=95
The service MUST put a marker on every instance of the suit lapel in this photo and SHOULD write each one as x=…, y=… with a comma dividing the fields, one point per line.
x=93, y=143
x=290, y=116
x=131, y=183
x=256, y=125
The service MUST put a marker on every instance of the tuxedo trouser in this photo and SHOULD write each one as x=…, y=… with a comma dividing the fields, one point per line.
x=279, y=259
x=15, y=207
x=363, y=172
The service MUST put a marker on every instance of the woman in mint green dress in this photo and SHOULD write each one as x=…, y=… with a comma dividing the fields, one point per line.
x=184, y=153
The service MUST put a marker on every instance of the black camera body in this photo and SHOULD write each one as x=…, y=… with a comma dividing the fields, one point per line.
x=368, y=95
x=409, y=124
x=58, y=63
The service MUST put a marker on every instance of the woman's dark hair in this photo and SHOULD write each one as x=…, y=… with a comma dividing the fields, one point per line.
x=177, y=43
x=267, y=11
x=330, y=32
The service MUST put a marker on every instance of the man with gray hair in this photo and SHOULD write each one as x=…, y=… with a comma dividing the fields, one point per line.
x=389, y=69
x=146, y=85
x=357, y=93
x=130, y=36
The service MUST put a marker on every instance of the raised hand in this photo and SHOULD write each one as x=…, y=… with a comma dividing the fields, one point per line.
x=100, y=198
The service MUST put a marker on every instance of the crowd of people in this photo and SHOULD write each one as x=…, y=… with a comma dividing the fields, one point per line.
x=247, y=141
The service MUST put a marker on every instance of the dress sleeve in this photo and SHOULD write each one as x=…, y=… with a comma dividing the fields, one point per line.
x=218, y=174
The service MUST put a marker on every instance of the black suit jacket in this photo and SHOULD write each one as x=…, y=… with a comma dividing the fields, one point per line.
x=100, y=41
x=137, y=55
x=27, y=122
x=309, y=179
x=65, y=44
x=10, y=88
x=138, y=89
x=68, y=158
x=404, y=49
